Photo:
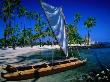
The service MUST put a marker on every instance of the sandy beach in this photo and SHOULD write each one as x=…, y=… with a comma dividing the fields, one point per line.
x=25, y=50
x=11, y=55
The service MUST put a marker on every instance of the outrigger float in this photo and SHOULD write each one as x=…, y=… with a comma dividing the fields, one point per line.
x=23, y=73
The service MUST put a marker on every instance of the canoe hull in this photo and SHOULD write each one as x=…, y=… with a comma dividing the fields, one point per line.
x=40, y=72
x=59, y=68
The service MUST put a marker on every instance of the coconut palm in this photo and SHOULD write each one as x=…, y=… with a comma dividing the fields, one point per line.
x=6, y=14
x=73, y=35
x=89, y=23
x=14, y=36
x=8, y=9
x=30, y=16
x=24, y=38
x=38, y=27
x=22, y=13
x=47, y=33
x=77, y=18
x=30, y=36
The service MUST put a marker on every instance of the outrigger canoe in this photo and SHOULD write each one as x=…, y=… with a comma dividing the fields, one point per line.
x=37, y=71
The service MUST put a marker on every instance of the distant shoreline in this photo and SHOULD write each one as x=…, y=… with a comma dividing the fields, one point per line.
x=49, y=47
x=92, y=46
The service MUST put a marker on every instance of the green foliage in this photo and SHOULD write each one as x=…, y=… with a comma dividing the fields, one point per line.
x=73, y=35
x=77, y=18
x=2, y=42
x=37, y=28
x=21, y=35
x=8, y=10
x=22, y=11
x=89, y=23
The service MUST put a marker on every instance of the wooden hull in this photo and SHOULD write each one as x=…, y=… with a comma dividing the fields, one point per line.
x=59, y=68
x=43, y=71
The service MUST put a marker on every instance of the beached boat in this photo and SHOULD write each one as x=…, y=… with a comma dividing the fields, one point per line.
x=37, y=71
x=57, y=23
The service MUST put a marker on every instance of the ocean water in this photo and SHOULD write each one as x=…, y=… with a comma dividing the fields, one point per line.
x=96, y=58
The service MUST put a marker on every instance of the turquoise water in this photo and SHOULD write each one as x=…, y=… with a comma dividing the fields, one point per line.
x=95, y=59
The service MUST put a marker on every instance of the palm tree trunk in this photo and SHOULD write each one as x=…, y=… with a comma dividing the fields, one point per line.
x=88, y=39
x=13, y=35
x=4, y=37
x=31, y=36
x=24, y=34
x=40, y=30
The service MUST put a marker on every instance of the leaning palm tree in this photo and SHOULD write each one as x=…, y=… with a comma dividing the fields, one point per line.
x=31, y=15
x=89, y=23
x=38, y=26
x=48, y=33
x=39, y=22
x=22, y=13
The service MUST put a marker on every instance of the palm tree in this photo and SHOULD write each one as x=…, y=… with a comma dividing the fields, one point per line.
x=30, y=36
x=77, y=18
x=24, y=37
x=22, y=13
x=31, y=15
x=39, y=22
x=47, y=33
x=89, y=23
x=71, y=32
x=6, y=14
x=73, y=35
x=8, y=9
x=38, y=26
x=14, y=36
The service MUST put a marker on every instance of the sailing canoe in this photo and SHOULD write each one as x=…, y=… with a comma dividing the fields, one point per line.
x=48, y=69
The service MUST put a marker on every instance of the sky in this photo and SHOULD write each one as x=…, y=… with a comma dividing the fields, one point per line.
x=100, y=9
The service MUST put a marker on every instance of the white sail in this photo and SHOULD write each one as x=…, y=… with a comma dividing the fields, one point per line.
x=56, y=21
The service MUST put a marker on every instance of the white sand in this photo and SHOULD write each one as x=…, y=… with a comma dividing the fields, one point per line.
x=10, y=53
x=10, y=56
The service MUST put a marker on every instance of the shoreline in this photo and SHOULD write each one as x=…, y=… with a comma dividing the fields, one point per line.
x=25, y=50
x=10, y=53
x=92, y=46
x=19, y=51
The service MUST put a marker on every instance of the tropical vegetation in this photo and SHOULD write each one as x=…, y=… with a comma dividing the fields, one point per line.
x=89, y=23
x=17, y=33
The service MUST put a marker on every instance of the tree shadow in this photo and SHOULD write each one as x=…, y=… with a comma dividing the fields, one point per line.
x=35, y=80
x=36, y=76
